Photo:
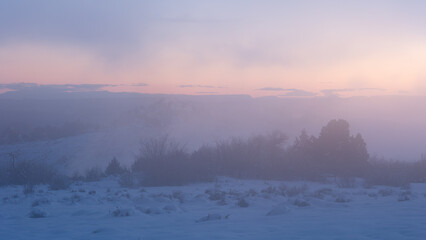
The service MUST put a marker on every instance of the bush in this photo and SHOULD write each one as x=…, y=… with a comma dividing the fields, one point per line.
x=216, y=195
x=346, y=182
x=301, y=203
x=29, y=174
x=28, y=189
x=321, y=193
x=38, y=202
x=94, y=174
x=37, y=213
x=342, y=199
x=269, y=190
x=210, y=217
x=179, y=196
x=387, y=173
x=418, y=170
x=114, y=168
x=404, y=196
x=121, y=212
x=242, y=203
x=258, y=157
x=128, y=180
x=386, y=192
x=296, y=190
x=59, y=182
x=163, y=162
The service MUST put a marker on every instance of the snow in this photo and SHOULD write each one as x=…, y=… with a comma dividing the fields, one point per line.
x=104, y=210
x=79, y=153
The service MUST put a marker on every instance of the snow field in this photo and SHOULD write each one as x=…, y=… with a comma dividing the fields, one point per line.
x=225, y=209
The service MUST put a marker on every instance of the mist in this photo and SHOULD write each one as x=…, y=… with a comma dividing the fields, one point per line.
x=243, y=119
x=87, y=129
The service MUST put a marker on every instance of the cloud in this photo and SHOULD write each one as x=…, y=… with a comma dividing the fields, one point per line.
x=186, y=86
x=197, y=86
x=290, y=92
x=298, y=93
x=271, y=89
x=55, y=87
x=403, y=92
x=114, y=30
x=80, y=87
x=336, y=92
x=109, y=28
x=206, y=92
x=136, y=85
x=293, y=92
x=220, y=42
x=18, y=86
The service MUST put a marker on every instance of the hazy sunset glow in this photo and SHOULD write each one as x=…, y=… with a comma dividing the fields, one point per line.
x=212, y=119
x=261, y=48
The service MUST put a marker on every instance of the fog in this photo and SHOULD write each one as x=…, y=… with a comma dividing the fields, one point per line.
x=92, y=127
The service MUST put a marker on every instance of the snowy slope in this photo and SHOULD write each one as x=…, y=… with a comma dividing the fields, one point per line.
x=78, y=153
x=276, y=210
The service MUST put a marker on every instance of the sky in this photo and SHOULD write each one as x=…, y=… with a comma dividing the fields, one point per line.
x=285, y=48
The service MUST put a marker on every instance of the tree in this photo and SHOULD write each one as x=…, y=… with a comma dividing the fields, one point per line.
x=303, y=157
x=340, y=153
x=162, y=161
x=114, y=168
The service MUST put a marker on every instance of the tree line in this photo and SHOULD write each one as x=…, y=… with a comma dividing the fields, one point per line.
x=334, y=153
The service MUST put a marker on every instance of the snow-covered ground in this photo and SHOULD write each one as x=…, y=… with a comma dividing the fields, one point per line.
x=79, y=153
x=225, y=209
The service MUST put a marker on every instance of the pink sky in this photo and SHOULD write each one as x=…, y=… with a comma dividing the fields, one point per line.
x=220, y=48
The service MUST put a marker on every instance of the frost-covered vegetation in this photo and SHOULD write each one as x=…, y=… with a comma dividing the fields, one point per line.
x=334, y=153
x=225, y=209
x=312, y=185
x=162, y=161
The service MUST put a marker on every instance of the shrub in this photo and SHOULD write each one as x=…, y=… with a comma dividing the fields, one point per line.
x=346, y=182
x=297, y=190
x=75, y=198
x=59, y=182
x=251, y=193
x=260, y=156
x=342, y=199
x=386, y=192
x=242, y=203
x=269, y=190
x=210, y=217
x=216, y=195
x=387, y=173
x=128, y=180
x=26, y=172
x=321, y=193
x=114, y=168
x=77, y=177
x=38, y=202
x=301, y=203
x=37, y=213
x=418, y=170
x=179, y=196
x=93, y=174
x=121, y=212
x=29, y=174
x=163, y=162
x=28, y=189
x=404, y=196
